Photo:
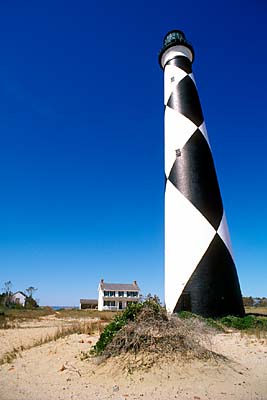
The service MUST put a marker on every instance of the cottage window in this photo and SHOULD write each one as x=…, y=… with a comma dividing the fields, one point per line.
x=109, y=303
x=121, y=294
x=109, y=293
x=132, y=294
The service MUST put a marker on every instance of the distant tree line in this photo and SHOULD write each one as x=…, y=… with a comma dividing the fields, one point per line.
x=6, y=297
x=255, y=301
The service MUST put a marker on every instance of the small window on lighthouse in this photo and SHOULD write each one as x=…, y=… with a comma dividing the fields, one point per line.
x=172, y=79
x=178, y=152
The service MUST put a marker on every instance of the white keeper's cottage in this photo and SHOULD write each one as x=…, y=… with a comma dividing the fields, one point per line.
x=18, y=298
x=116, y=296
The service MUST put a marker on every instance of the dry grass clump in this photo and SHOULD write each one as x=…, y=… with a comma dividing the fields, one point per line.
x=23, y=314
x=256, y=310
x=153, y=335
x=11, y=318
x=88, y=328
x=76, y=313
x=7, y=324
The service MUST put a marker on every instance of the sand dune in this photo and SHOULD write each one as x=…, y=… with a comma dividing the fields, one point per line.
x=55, y=370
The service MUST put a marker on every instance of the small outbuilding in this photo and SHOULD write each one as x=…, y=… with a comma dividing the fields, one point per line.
x=88, y=304
x=18, y=298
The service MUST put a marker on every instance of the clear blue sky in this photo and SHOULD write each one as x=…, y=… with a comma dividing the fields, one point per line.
x=81, y=138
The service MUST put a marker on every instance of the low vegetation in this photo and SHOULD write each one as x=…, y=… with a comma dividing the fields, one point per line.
x=256, y=310
x=11, y=317
x=143, y=328
x=88, y=328
x=76, y=313
x=209, y=322
x=249, y=323
x=256, y=302
x=115, y=325
x=147, y=329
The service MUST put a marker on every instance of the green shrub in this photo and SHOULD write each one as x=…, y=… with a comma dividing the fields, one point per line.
x=245, y=323
x=187, y=314
x=211, y=322
x=31, y=303
x=249, y=322
x=15, y=306
x=130, y=314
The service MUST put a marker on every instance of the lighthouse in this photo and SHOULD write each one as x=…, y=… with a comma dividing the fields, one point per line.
x=200, y=274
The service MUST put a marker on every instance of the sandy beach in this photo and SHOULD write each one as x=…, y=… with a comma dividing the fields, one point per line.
x=55, y=370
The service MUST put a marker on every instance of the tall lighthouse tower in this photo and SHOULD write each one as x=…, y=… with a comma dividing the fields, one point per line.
x=200, y=275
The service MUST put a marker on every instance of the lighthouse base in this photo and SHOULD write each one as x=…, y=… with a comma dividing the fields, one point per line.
x=213, y=289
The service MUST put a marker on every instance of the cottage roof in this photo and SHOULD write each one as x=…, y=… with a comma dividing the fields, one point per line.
x=89, y=301
x=119, y=286
x=19, y=292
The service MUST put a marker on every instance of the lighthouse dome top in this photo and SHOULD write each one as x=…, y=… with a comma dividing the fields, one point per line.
x=175, y=38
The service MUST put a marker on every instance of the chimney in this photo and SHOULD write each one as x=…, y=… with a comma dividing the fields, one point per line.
x=135, y=283
x=101, y=280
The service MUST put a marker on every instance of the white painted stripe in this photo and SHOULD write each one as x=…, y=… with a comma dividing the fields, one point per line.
x=187, y=237
x=172, y=76
x=175, y=51
x=203, y=130
x=178, y=130
x=193, y=79
x=223, y=232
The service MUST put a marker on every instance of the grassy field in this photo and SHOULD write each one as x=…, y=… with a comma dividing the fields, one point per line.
x=43, y=325
x=256, y=310
x=68, y=321
x=9, y=315
x=75, y=313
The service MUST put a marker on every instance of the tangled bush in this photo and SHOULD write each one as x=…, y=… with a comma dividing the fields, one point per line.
x=146, y=328
x=119, y=321
x=144, y=335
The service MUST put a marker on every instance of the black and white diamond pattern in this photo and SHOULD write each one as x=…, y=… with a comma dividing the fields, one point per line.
x=195, y=221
